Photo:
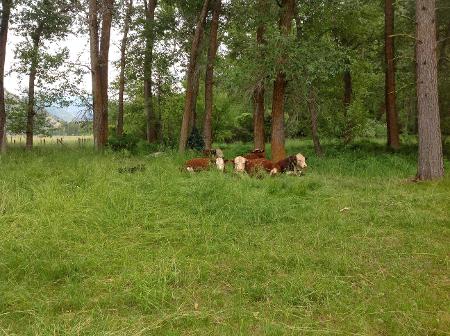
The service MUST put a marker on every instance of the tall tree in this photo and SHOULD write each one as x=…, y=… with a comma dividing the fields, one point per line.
x=42, y=21
x=209, y=77
x=100, y=13
x=193, y=59
x=123, y=47
x=279, y=86
x=195, y=88
x=6, y=12
x=391, y=112
x=430, y=165
x=259, y=140
x=312, y=106
x=152, y=132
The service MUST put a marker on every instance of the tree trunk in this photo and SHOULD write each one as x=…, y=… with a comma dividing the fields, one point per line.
x=312, y=106
x=209, y=77
x=31, y=88
x=104, y=59
x=6, y=11
x=348, y=90
x=99, y=50
x=430, y=165
x=279, y=87
x=393, y=138
x=123, y=47
x=193, y=59
x=258, y=117
x=95, y=75
x=152, y=123
x=195, y=88
x=259, y=91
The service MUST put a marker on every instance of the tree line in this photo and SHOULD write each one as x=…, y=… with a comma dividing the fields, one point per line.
x=302, y=67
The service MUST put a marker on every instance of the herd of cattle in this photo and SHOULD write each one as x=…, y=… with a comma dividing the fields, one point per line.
x=250, y=163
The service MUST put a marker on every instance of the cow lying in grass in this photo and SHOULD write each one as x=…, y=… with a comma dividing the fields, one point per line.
x=292, y=163
x=199, y=164
x=260, y=165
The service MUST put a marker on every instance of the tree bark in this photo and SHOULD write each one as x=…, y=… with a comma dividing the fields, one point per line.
x=348, y=90
x=193, y=59
x=95, y=75
x=209, y=77
x=312, y=106
x=152, y=123
x=195, y=88
x=430, y=165
x=31, y=90
x=393, y=138
x=123, y=47
x=99, y=50
x=6, y=11
x=279, y=87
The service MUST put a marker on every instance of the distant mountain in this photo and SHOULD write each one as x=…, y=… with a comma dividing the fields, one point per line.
x=75, y=111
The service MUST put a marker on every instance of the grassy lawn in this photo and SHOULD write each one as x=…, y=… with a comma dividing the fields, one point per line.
x=85, y=249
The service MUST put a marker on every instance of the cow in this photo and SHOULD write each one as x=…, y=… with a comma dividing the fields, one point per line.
x=254, y=166
x=199, y=164
x=291, y=163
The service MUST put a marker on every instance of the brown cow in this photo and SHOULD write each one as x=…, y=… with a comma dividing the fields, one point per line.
x=199, y=164
x=291, y=163
x=253, y=166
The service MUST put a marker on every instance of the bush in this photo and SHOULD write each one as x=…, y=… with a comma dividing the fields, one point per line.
x=195, y=140
x=125, y=142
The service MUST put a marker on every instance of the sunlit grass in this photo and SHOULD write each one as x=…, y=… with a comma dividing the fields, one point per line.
x=352, y=247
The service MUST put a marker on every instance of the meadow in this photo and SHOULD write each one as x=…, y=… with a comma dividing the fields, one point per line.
x=353, y=247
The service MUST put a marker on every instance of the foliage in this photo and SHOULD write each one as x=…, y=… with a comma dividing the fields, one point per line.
x=41, y=25
x=16, y=121
x=125, y=142
x=195, y=140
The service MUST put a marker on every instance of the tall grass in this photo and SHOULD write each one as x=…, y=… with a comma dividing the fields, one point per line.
x=352, y=247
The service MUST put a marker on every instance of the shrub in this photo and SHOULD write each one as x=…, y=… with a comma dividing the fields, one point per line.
x=195, y=140
x=127, y=141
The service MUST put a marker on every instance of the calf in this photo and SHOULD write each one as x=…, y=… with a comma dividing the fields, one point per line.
x=291, y=163
x=199, y=164
x=255, y=154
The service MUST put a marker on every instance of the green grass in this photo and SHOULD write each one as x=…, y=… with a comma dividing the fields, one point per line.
x=87, y=250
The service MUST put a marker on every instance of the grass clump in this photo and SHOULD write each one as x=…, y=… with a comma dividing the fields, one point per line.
x=89, y=249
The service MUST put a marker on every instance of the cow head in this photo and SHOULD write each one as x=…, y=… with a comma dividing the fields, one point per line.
x=239, y=164
x=218, y=153
x=220, y=164
x=301, y=161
